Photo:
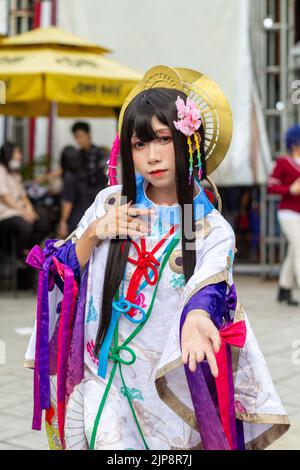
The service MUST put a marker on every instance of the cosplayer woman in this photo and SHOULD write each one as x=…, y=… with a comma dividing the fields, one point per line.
x=140, y=340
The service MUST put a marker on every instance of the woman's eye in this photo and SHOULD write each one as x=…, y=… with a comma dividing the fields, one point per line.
x=138, y=145
x=165, y=138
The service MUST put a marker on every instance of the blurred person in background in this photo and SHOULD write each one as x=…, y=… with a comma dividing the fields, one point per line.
x=285, y=180
x=82, y=186
x=69, y=161
x=17, y=215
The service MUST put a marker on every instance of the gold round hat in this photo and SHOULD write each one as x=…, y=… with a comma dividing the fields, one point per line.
x=215, y=110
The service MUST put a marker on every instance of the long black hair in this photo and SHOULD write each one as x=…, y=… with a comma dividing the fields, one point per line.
x=137, y=118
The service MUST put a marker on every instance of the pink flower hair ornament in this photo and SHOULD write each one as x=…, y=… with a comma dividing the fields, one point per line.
x=189, y=116
x=188, y=123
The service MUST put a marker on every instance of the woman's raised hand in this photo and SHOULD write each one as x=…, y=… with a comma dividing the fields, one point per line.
x=199, y=339
x=121, y=221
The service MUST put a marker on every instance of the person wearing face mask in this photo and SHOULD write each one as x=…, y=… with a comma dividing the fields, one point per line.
x=17, y=215
x=285, y=180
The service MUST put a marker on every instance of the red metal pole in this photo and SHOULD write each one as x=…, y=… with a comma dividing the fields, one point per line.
x=54, y=12
x=37, y=14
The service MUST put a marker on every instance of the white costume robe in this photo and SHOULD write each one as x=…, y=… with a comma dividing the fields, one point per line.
x=156, y=381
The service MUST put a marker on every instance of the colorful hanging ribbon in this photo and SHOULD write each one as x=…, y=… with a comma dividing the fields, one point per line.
x=37, y=260
x=232, y=335
x=70, y=292
x=199, y=164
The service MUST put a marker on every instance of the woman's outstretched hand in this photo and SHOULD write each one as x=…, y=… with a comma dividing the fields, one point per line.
x=199, y=339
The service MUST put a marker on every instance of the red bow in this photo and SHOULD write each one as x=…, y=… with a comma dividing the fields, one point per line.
x=146, y=259
x=234, y=335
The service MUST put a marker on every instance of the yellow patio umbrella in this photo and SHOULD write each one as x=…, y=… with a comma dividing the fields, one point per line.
x=48, y=65
x=51, y=37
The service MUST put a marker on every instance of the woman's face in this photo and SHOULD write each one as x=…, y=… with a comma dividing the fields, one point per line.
x=158, y=154
x=16, y=160
x=296, y=151
x=17, y=155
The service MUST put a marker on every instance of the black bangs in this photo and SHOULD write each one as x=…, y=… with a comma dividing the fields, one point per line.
x=142, y=122
x=143, y=108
